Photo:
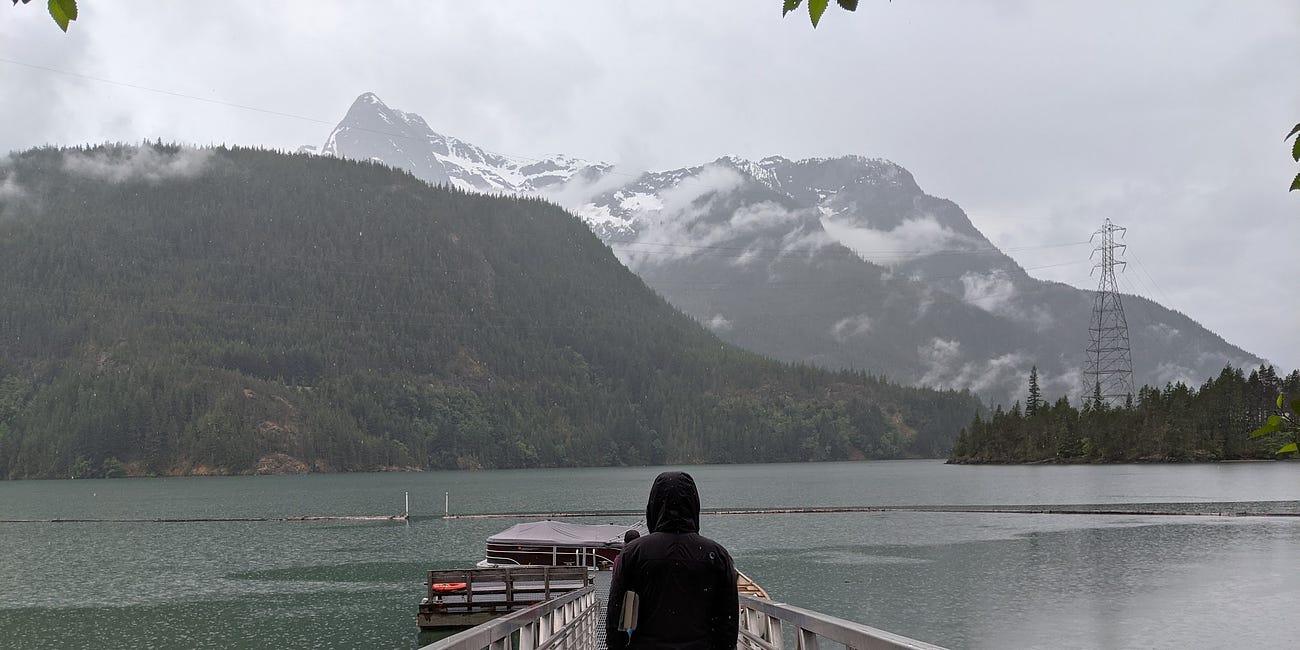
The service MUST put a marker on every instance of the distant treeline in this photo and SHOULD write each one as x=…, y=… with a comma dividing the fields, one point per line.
x=1176, y=423
x=173, y=311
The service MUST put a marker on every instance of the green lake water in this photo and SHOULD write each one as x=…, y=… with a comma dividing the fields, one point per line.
x=957, y=579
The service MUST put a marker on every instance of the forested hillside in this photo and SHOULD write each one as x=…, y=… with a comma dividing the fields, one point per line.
x=167, y=310
x=1176, y=423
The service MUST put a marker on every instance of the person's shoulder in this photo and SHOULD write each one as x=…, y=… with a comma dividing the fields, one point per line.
x=714, y=546
x=710, y=540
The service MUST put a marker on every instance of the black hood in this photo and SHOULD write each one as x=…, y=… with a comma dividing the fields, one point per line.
x=674, y=505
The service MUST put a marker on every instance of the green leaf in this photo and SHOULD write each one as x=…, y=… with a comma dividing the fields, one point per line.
x=1273, y=425
x=63, y=11
x=1263, y=431
x=1295, y=184
x=1294, y=130
x=815, y=10
x=1295, y=150
x=790, y=5
x=1289, y=449
x=848, y=5
x=1279, y=400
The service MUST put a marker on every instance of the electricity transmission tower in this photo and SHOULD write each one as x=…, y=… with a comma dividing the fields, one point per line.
x=1110, y=364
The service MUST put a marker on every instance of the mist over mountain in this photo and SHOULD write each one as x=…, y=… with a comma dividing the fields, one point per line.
x=170, y=310
x=840, y=262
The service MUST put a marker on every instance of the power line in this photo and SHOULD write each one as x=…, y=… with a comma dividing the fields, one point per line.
x=219, y=102
x=159, y=91
x=718, y=284
x=902, y=252
x=1143, y=268
x=1133, y=287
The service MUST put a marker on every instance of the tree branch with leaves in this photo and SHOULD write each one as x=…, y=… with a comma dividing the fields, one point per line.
x=62, y=11
x=1295, y=153
x=817, y=7
x=1281, y=422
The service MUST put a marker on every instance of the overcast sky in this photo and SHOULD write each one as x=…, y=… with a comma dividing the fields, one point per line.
x=1038, y=118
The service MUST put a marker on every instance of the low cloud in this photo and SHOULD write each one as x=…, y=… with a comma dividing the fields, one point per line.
x=1217, y=360
x=1000, y=377
x=924, y=303
x=691, y=197
x=1069, y=383
x=1170, y=372
x=584, y=186
x=1164, y=332
x=13, y=193
x=718, y=323
x=992, y=292
x=847, y=328
x=908, y=240
x=682, y=220
x=10, y=189
x=138, y=163
x=995, y=292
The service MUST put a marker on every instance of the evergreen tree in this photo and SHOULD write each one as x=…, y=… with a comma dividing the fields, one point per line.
x=1175, y=423
x=1035, y=395
x=297, y=312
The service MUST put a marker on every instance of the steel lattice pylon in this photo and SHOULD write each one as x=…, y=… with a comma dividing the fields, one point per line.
x=1110, y=363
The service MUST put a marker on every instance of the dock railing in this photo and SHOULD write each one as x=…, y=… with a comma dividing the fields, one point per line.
x=569, y=622
x=765, y=625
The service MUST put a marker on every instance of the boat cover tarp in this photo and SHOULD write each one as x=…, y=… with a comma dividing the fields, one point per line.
x=558, y=533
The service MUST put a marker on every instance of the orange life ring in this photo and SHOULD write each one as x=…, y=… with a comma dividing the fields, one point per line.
x=447, y=587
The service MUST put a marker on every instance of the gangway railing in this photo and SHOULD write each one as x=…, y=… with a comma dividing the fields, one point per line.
x=569, y=622
x=764, y=625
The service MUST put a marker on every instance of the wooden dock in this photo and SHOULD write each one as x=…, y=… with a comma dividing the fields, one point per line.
x=461, y=598
x=745, y=585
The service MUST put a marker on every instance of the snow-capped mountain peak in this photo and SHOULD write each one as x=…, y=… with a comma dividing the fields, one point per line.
x=372, y=130
x=840, y=261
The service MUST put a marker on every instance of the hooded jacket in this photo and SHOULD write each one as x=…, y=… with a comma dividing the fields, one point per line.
x=685, y=582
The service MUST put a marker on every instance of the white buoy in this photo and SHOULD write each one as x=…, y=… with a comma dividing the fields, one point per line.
x=446, y=503
x=408, y=505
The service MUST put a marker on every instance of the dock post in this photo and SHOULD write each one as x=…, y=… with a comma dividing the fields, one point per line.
x=408, y=505
x=446, y=503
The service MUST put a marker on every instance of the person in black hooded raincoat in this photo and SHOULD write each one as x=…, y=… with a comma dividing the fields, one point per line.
x=685, y=582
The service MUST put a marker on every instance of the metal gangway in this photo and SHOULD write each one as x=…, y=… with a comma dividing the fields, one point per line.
x=573, y=622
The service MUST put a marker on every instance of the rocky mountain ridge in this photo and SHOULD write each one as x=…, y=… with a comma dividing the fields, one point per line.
x=840, y=262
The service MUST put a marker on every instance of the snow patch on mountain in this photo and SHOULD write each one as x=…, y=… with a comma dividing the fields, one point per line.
x=373, y=130
x=746, y=239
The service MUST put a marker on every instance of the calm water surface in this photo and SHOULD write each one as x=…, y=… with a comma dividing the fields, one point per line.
x=957, y=579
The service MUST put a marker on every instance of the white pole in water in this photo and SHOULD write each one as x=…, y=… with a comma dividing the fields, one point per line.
x=408, y=504
x=446, y=503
